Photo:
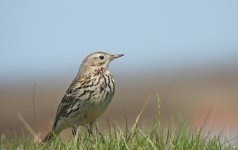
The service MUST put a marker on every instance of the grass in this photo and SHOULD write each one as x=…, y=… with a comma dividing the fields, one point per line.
x=131, y=138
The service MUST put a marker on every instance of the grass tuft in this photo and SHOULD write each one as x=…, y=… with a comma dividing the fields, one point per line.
x=131, y=138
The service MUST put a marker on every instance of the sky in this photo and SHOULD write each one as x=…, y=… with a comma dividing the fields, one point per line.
x=46, y=37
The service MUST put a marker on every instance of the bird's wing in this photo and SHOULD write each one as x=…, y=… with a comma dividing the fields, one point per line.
x=71, y=97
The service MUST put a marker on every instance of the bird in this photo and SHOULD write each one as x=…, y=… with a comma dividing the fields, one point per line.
x=87, y=97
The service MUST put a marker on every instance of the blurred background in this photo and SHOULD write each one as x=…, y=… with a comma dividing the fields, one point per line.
x=184, y=51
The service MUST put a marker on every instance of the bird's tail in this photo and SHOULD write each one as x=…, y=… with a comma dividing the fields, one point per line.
x=49, y=137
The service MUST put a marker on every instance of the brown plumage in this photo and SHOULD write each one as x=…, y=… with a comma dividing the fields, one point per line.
x=88, y=95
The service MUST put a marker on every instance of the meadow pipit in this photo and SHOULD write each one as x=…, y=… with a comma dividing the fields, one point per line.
x=88, y=95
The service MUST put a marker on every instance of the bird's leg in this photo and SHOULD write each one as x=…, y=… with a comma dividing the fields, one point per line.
x=90, y=128
x=90, y=132
x=96, y=127
x=74, y=131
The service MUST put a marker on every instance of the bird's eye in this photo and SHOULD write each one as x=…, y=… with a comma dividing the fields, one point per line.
x=101, y=57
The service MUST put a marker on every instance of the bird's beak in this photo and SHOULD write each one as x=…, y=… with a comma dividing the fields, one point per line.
x=116, y=56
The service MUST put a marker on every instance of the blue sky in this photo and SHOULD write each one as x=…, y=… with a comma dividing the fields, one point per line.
x=46, y=37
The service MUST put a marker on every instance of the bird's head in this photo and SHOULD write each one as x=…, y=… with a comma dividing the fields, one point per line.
x=96, y=61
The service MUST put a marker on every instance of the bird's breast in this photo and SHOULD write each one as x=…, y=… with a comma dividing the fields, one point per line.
x=101, y=97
